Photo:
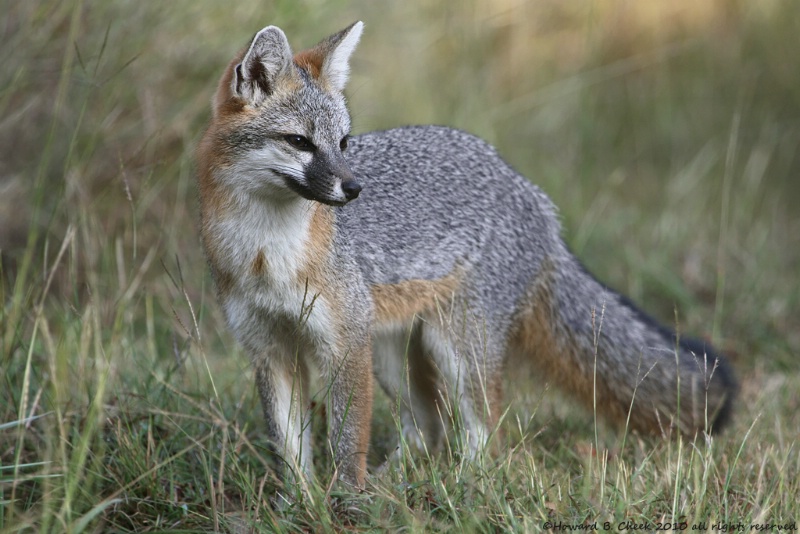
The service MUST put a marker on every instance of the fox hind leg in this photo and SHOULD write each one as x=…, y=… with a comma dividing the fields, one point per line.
x=409, y=377
x=472, y=381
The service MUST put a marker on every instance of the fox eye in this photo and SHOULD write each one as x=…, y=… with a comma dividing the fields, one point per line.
x=343, y=143
x=299, y=142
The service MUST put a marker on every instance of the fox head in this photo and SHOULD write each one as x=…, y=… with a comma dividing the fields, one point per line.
x=280, y=124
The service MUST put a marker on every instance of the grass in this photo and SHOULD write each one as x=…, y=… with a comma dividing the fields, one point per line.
x=665, y=132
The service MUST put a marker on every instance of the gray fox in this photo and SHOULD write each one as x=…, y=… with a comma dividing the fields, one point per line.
x=448, y=262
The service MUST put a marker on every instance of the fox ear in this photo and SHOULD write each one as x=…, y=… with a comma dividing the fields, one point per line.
x=336, y=67
x=329, y=61
x=268, y=57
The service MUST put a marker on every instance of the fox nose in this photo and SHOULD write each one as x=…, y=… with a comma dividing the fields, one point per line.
x=351, y=189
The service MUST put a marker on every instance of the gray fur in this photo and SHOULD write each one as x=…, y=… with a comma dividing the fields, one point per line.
x=470, y=208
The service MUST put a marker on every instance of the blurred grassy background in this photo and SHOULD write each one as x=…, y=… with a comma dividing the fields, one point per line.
x=666, y=132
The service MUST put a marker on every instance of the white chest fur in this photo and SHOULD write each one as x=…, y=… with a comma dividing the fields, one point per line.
x=266, y=246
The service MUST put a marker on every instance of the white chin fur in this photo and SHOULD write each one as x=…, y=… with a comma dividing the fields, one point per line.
x=337, y=195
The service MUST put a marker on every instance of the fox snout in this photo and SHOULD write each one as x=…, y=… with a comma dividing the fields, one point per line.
x=330, y=179
x=351, y=189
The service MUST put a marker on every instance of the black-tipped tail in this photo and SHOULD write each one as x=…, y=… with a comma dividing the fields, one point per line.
x=721, y=372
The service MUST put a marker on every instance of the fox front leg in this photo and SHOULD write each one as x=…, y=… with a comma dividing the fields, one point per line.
x=349, y=414
x=283, y=386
